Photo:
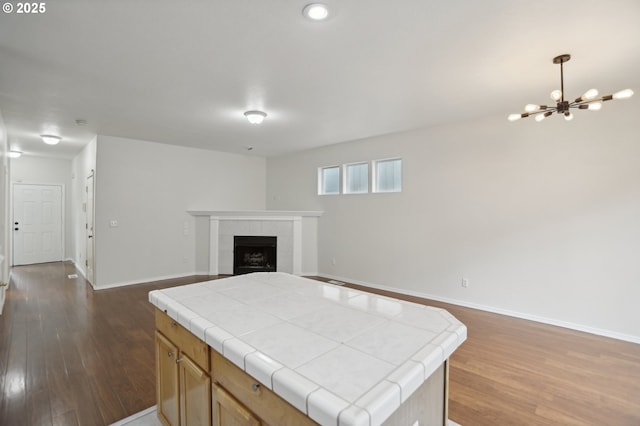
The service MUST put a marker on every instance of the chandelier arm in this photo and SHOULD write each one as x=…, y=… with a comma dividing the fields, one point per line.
x=542, y=111
x=577, y=103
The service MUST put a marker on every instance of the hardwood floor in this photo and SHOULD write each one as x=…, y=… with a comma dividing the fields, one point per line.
x=72, y=356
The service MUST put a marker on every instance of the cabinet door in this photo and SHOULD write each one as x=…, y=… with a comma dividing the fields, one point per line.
x=167, y=381
x=195, y=393
x=229, y=412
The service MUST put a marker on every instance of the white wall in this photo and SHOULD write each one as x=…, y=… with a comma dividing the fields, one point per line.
x=543, y=219
x=48, y=171
x=4, y=210
x=147, y=188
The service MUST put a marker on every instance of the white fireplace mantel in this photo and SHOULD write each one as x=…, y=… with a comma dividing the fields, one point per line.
x=254, y=213
x=297, y=233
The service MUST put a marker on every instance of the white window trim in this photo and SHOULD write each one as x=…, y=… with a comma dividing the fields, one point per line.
x=374, y=171
x=345, y=183
x=321, y=180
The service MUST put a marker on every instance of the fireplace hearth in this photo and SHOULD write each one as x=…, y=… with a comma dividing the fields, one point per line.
x=254, y=254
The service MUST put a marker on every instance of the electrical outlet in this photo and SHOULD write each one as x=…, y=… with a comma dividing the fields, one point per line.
x=465, y=283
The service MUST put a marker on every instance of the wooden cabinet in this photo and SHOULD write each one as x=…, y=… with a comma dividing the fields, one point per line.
x=167, y=382
x=239, y=398
x=195, y=394
x=187, y=396
x=182, y=369
x=228, y=411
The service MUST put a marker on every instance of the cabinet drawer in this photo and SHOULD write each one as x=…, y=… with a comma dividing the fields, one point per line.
x=189, y=344
x=265, y=404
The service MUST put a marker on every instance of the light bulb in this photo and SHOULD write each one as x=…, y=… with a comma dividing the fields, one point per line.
x=623, y=94
x=541, y=117
x=589, y=94
x=556, y=95
x=316, y=11
x=595, y=106
x=514, y=117
x=568, y=116
x=531, y=107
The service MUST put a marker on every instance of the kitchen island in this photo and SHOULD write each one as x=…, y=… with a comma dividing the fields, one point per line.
x=274, y=348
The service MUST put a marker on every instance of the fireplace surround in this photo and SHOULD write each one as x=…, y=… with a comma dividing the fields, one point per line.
x=296, y=232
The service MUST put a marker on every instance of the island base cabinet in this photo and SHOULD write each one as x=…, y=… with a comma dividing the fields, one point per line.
x=427, y=406
x=261, y=403
x=227, y=411
x=195, y=394
x=167, y=384
x=183, y=383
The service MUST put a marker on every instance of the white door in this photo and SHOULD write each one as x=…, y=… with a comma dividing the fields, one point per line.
x=37, y=223
x=89, y=227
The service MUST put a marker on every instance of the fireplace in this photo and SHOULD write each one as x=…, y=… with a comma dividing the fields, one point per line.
x=254, y=254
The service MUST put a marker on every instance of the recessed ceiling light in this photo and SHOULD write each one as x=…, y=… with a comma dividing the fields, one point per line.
x=316, y=11
x=51, y=139
x=15, y=154
x=255, y=117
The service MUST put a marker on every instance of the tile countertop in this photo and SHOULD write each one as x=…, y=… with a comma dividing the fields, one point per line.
x=342, y=356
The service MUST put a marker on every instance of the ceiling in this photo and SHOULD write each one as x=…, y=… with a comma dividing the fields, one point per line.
x=183, y=72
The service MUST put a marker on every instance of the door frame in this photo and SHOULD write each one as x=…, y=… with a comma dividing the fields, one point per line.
x=90, y=234
x=63, y=223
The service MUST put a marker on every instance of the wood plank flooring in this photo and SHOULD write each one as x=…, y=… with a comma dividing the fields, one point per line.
x=72, y=356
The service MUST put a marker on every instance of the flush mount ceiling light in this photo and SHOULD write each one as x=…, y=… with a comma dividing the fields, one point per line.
x=15, y=154
x=589, y=100
x=51, y=139
x=255, y=117
x=316, y=11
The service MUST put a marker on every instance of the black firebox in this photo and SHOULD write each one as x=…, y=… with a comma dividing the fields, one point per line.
x=254, y=254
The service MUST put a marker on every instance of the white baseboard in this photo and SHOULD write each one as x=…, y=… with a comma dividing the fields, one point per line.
x=142, y=281
x=134, y=416
x=551, y=321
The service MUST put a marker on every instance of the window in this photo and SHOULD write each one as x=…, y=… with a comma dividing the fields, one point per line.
x=353, y=178
x=329, y=180
x=356, y=178
x=387, y=175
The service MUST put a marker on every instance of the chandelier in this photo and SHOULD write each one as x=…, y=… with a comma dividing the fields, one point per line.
x=589, y=100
